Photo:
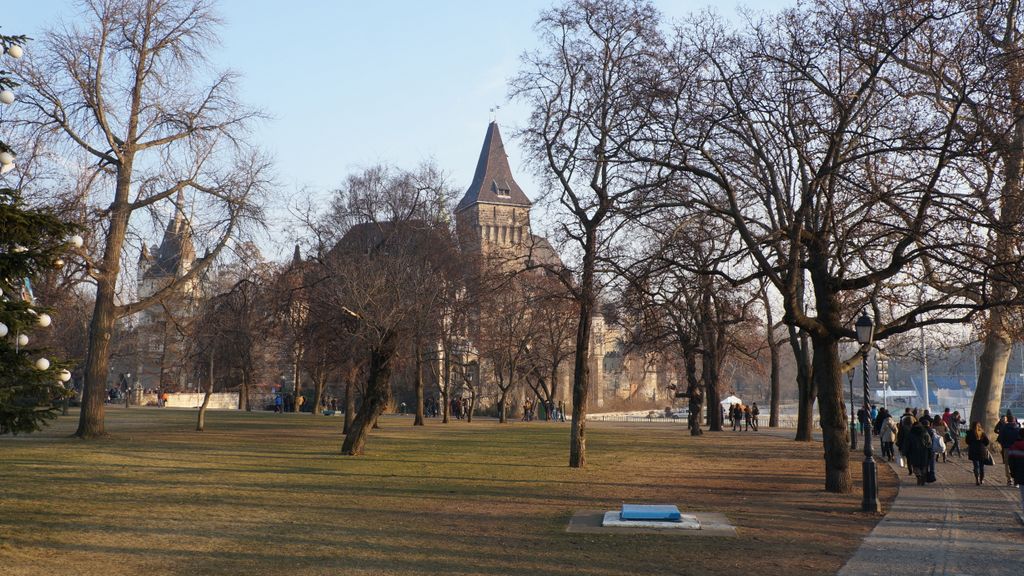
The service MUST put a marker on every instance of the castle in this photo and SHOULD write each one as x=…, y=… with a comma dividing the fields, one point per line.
x=160, y=330
x=493, y=220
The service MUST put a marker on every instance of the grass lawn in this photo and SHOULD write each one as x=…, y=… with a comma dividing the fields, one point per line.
x=263, y=493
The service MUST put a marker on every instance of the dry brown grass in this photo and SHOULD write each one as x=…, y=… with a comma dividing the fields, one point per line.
x=268, y=494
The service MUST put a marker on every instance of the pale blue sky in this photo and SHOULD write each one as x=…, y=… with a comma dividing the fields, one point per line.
x=352, y=83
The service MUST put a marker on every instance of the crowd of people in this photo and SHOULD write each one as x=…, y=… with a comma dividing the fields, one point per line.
x=924, y=440
x=743, y=417
x=543, y=410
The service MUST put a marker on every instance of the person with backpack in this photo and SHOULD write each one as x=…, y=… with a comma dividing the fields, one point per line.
x=907, y=421
x=919, y=452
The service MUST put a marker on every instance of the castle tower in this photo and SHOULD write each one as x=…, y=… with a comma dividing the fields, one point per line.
x=160, y=345
x=494, y=215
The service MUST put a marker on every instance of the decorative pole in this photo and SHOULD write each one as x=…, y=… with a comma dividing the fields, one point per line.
x=865, y=332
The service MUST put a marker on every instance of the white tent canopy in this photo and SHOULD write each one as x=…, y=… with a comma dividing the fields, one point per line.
x=731, y=400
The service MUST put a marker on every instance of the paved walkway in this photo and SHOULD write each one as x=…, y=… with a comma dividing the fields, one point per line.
x=949, y=528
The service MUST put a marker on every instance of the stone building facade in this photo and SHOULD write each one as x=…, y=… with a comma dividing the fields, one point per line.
x=493, y=223
x=161, y=347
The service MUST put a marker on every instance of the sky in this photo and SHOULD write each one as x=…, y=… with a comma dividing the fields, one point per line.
x=352, y=83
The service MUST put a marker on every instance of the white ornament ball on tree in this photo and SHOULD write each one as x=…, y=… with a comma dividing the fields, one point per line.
x=22, y=340
x=15, y=51
x=7, y=97
x=42, y=364
x=3, y=329
x=44, y=320
x=6, y=158
x=64, y=376
x=77, y=241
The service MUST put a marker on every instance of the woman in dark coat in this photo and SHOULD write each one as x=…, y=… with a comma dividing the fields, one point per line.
x=919, y=452
x=977, y=451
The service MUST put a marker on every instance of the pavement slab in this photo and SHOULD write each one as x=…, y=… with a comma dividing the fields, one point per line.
x=949, y=528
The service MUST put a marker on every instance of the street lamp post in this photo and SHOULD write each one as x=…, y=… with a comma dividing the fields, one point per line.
x=853, y=416
x=883, y=377
x=865, y=332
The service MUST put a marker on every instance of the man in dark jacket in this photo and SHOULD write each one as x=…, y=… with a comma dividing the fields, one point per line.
x=1016, y=455
x=1007, y=433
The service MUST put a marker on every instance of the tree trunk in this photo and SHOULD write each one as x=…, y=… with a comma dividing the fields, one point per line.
x=376, y=397
x=243, y=392
x=90, y=419
x=101, y=328
x=350, y=404
x=319, y=381
x=502, y=417
x=773, y=354
x=693, y=392
x=581, y=375
x=834, y=430
x=776, y=385
x=201, y=424
x=418, y=421
x=806, y=391
x=296, y=379
x=710, y=360
x=992, y=371
x=201, y=420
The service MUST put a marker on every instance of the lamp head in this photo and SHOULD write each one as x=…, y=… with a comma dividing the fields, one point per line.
x=865, y=328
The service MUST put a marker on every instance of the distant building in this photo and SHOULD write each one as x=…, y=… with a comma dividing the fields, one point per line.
x=493, y=223
x=161, y=346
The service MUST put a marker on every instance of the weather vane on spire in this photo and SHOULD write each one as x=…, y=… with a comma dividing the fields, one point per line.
x=494, y=112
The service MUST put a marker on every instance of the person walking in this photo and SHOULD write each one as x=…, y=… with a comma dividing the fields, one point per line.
x=1016, y=455
x=1006, y=435
x=903, y=437
x=955, y=424
x=754, y=413
x=941, y=437
x=887, y=435
x=977, y=451
x=919, y=452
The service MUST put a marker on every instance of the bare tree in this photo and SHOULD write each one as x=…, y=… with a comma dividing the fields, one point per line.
x=120, y=91
x=681, y=303
x=969, y=57
x=387, y=269
x=583, y=118
x=805, y=139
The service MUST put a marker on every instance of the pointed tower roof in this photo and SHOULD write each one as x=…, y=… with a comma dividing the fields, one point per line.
x=493, y=182
x=176, y=249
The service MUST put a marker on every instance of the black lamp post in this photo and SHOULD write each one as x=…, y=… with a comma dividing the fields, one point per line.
x=853, y=416
x=865, y=332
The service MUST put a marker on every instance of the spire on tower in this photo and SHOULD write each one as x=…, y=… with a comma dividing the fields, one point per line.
x=493, y=182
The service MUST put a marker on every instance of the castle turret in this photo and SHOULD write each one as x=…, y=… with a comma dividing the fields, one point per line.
x=494, y=212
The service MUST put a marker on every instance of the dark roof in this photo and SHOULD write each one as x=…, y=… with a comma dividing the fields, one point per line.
x=175, y=247
x=543, y=254
x=493, y=182
x=388, y=236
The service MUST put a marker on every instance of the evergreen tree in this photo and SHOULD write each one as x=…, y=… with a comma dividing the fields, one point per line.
x=31, y=240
